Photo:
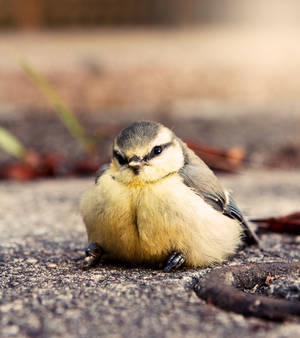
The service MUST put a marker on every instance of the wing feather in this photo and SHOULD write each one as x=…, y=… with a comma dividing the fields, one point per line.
x=197, y=176
x=101, y=171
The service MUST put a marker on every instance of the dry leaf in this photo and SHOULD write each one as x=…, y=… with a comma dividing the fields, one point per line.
x=289, y=223
x=217, y=159
x=33, y=166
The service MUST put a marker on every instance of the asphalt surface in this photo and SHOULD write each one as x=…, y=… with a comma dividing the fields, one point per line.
x=45, y=292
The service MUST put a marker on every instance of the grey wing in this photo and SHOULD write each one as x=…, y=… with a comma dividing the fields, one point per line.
x=231, y=210
x=101, y=171
x=204, y=182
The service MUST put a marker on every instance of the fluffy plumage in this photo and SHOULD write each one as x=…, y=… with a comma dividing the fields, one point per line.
x=157, y=197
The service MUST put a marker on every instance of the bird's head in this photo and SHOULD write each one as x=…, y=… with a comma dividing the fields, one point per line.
x=145, y=152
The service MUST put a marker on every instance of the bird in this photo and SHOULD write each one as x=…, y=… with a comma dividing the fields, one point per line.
x=158, y=204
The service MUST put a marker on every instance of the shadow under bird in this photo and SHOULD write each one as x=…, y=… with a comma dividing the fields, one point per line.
x=157, y=203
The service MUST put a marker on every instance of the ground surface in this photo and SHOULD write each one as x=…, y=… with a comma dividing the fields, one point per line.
x=44, y=292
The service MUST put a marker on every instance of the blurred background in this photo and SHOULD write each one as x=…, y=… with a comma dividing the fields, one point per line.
x=224, y=74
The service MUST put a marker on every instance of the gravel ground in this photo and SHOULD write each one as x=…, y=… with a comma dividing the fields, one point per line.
x=45, y=293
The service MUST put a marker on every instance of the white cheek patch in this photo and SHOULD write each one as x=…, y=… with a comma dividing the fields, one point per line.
x=171, y=159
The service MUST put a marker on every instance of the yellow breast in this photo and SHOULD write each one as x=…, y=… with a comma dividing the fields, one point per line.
x=144, y=223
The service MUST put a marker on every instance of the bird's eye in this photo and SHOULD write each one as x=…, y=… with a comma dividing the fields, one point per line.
x=157, y=150
x=120, y=158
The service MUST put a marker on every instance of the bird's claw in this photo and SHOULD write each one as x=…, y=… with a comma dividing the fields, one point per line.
x=93, y=253
x=175, y=261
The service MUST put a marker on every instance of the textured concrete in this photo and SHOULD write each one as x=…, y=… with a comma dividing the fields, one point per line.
x=45, y=293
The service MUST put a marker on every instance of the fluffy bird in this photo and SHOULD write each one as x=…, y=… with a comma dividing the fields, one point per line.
x=158, y=203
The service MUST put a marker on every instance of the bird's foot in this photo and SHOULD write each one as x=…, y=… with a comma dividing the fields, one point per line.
x=175, y=261
x=93, y=253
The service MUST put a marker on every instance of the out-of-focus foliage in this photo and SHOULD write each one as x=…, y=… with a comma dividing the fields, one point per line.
x=11, y=144
x=57, y=13
x=66, y=114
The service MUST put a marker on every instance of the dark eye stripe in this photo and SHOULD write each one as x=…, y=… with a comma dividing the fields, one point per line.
x=122, y=160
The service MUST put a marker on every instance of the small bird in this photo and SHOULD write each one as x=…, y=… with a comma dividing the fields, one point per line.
x=159, y=204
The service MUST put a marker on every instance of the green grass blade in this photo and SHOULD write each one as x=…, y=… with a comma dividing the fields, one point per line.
x=11, y=144
x=66, y=115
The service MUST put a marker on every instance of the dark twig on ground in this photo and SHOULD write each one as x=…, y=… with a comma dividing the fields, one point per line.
x=223, y=288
